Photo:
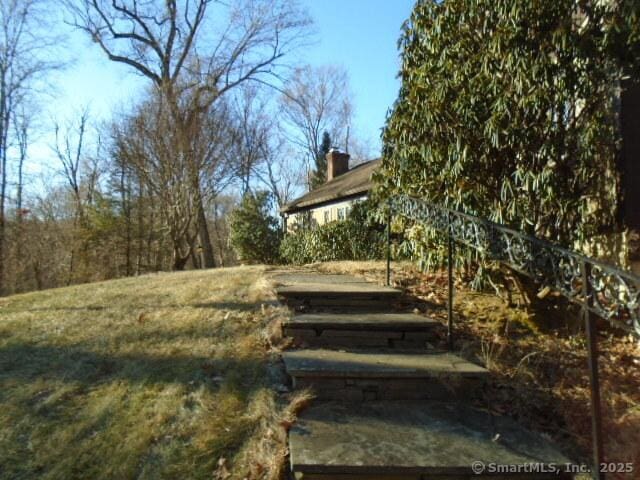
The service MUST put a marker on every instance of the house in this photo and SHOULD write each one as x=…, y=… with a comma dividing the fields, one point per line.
x=332, y=200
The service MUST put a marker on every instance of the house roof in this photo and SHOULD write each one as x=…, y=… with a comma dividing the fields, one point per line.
x=355, y=181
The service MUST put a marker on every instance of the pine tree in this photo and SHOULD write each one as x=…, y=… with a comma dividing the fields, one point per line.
x=319, y=176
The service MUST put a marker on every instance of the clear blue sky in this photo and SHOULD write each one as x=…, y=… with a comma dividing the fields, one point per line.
x=360, y=35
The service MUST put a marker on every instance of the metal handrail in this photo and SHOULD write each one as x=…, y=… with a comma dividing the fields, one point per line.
x=599, y=288
x=613, y=294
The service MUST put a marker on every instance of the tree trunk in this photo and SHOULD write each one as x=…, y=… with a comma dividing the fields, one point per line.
x=126, y=208
x=140, y=233
x=3, y=194
x=149, y=239
x=71, y=265
x=180, y=256
x=219, y=242
x=195, y=260
x=179, y=261
x=20, y=282
x=5, y=113
x=37, y=273
x=208, y=261
x=19, y=186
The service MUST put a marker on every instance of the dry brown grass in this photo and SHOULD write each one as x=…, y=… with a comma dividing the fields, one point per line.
x=160, y=376
x=538, y=362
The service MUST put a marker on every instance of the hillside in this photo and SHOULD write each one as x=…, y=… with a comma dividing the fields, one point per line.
x=159, y=376
x=176, y=375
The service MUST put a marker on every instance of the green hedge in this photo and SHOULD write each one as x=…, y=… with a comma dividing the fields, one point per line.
x=507, y=110
x=358, y=237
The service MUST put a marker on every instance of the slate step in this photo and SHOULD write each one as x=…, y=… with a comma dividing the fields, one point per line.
x=363, y=376
x=314, y=291
x=413, y=441
x=362, y=330
x=295, y=278
x=339, y=296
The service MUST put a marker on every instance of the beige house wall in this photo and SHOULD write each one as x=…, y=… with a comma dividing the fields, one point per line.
x=324, y=214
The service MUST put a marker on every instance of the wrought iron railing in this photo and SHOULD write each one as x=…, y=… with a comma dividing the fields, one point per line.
x=611, y=293
x=599, y=288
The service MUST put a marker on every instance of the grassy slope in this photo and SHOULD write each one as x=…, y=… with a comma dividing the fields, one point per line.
x=163, y=376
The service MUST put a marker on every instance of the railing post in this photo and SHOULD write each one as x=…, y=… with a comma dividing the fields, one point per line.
x=450, y=285
x=594, y=381
x=388, y=249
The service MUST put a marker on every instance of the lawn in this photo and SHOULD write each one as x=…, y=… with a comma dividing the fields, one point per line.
x=177, y=375
x=159, y=376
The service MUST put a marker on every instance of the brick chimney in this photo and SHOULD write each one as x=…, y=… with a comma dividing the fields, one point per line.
x=337, y=163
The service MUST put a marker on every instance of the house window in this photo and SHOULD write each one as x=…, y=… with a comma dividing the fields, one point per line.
x=342, y=214
x=327, y=216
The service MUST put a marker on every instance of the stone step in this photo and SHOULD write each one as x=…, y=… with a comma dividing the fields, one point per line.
x=362, y=330
x=311, y=291
x=363, y=376
x=295, y=278
x=414, y=441
x=349, y=296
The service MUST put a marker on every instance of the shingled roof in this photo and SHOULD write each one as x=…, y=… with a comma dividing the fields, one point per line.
x=356, y=181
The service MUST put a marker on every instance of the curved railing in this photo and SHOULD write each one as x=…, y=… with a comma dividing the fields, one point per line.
x=600, y=289
x=609, y=292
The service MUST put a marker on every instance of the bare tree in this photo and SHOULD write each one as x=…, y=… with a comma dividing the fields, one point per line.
x=362, y=148
x=261, y=148
x=166, y=42
x=22, y=127
x=316, y=100
x=137, y=204
x=69, y=150
x=221, y=208
x=16, y=267
x=182, y=182
x=80, y=173
x=45, y=261
x=22, y=64
x=280, y=172
x=253, y=129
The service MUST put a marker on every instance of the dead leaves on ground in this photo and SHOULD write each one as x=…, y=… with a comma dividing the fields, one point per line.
x=539, y=375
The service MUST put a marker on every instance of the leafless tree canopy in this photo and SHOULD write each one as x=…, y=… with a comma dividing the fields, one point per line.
x=317, y=100
x=183, y=179
x=193, y=51
x=225, y=111
x=22, y=64
x=220, y=45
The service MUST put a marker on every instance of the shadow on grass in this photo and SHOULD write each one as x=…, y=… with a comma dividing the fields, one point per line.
x=95, y=308
x=239, y=306
x=26, y=362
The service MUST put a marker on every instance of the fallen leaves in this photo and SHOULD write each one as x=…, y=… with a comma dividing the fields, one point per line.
x=539, y=363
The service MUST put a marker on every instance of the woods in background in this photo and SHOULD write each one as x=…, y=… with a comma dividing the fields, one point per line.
x=226, y=112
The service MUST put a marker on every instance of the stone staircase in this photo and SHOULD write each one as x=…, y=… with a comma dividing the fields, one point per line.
x=351, y=296
x=358, y=376
x=362, y=330
x=389, y=404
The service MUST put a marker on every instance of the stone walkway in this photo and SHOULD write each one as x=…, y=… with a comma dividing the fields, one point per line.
x=389, y=404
